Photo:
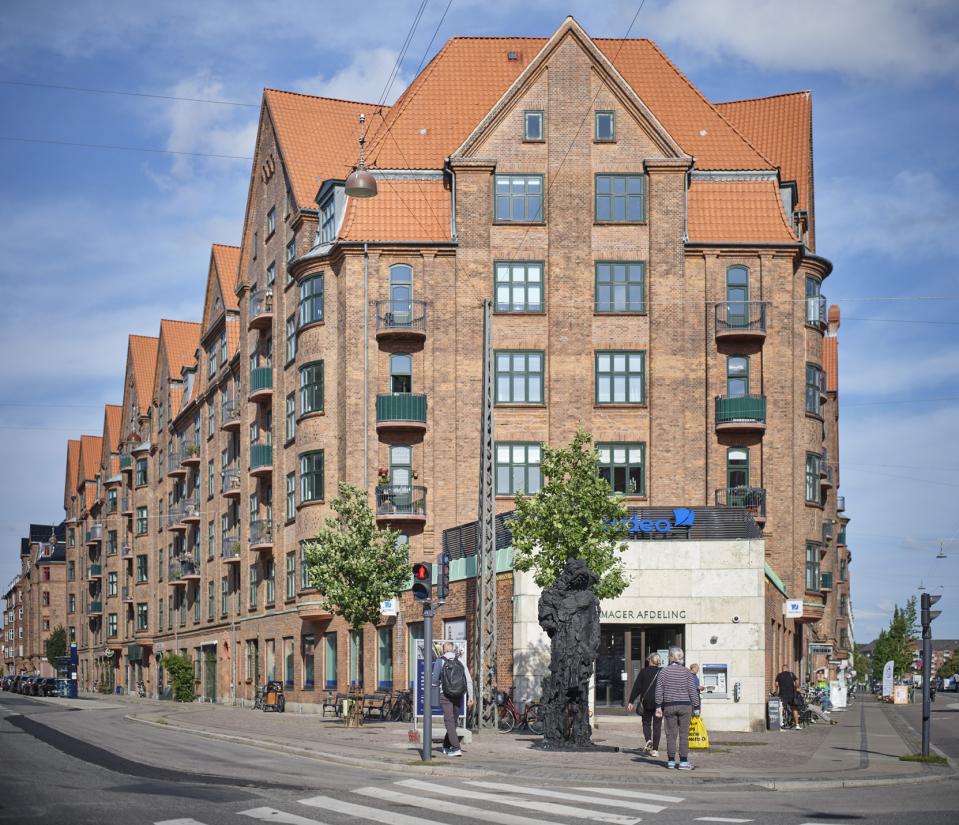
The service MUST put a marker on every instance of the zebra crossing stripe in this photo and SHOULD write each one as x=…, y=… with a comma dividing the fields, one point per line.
x=654, y=797
x=282, y=817
x=452, y=807
x=539, y=807
x=363, y=812
x=186, y=821
x=570, y=797
x=719, y=819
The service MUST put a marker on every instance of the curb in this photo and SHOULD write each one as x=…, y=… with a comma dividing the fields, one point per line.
x=472, y=773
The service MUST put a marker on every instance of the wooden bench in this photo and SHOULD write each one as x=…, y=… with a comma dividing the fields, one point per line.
x=377, y=703
x=330, y=702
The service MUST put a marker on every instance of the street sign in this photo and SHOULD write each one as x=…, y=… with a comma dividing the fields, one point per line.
x=792, y=608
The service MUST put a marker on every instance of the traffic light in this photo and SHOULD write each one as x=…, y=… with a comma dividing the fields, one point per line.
x=927, y=614
x=443, y=578
x=422, y=581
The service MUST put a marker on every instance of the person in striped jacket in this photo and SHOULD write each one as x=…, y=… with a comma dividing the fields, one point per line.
x=677, y=699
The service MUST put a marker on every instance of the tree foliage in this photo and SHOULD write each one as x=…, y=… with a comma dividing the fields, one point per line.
x=56, y=645
x=574, y=515
x=354, y=564
x=951, y=666
x=180, y=669
x=897, y=642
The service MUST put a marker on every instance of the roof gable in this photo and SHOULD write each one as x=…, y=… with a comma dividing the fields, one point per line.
x=142, y=357
x=570, y=30
x=90, y=448
x=110, y=442
x=73, y=463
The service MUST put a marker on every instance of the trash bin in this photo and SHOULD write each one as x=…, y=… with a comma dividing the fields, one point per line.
x=774, y=713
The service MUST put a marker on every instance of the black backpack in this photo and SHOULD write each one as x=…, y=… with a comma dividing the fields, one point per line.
x=453, y=679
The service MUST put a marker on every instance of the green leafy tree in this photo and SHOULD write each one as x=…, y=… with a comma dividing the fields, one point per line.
x=180, y=669
x=897, y=642
x=355, y=564
x=574, y=515
x=56, y=645
x=951, y=666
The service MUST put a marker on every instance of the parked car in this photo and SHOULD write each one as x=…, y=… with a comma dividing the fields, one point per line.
x=23, y=684
x=14, y=684
x=29, y=686
x=6, y=682
x=45, y=686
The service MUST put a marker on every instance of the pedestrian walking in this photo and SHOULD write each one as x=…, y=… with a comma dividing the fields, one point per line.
x=677, y=699
x=786, y=689
x=642, y=698
x=454, y=681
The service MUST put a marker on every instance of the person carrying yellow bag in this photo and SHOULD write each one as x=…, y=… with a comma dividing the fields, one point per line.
x=677, y=700
x=698, y=735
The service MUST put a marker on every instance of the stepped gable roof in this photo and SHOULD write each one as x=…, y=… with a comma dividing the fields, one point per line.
x=470, y=74
x=143, y=353
x=402, y=210
x=226, y=259
x=180, y=342
x=317, y=137
x=724, y=211
x=111, y=425
x=781, y=126
x=73, y=464
x=91, y=447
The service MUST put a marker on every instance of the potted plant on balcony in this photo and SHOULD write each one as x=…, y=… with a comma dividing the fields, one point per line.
x=192, y=450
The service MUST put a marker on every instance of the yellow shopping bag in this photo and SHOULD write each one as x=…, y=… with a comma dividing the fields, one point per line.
x=698, y=735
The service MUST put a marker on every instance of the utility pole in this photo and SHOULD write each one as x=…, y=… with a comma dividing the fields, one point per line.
x=486, y=551
x=927, y=614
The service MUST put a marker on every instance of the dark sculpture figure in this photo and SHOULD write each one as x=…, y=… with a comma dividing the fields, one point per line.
x=569, y=613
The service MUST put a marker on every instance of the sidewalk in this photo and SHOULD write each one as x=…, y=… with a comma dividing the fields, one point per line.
x=862, y=749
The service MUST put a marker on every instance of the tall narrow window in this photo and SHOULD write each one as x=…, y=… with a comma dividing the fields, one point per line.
x=737, y=297
x=737, y=376
x=311, y=388
x=311, y=300
x=519, y=286
x=290, y=417
x=401, y=295
x=290, y=574
x=271, y=221
x=253, y=586
x=737, y=467
x=327, y=233
x=311, y=476
x=813, y=470
x=814, y=381
x=384, y=658
x=329, y=661
x=288, y=663
x=309, y=661
x=401, y=373
x=815, y=305
x=813, y=579
x=290, y=338
x=291, y=496
x=533, y=125
x=518, y=198
x=605, y=126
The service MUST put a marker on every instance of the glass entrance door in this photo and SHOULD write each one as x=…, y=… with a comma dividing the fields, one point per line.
x=623, y=650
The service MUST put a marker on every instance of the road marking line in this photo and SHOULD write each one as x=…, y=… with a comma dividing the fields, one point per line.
x=571, y=797
x=273, y=815
x=186, y=821
x=655, y=797
x=363, y=812
x=719, y=819
x=453, y=807
x=539, y=807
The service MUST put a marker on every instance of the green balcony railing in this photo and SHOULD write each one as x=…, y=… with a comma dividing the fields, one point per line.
x=401, y=406
x=261, y=455
x=261, y=378
x=747, y=409
x=94, y=608
x=94, y=571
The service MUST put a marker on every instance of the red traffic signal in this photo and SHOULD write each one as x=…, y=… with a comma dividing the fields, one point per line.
x=422, y=581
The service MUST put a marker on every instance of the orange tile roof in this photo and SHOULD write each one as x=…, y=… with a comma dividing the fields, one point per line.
x=180, y=342
x=143, y=353
x=232, y=338
x=90, y=450
x=830, y=362
x=403, y=210
x=737, y=212
x=781, y=126
x=226, y=259
x=317, y=136
x=469, y=75
x=73, y=463
x=111, y=426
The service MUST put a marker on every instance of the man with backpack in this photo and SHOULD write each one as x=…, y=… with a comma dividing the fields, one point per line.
x=455, y=682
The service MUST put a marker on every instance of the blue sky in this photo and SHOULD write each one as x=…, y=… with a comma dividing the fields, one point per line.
x=98, y=243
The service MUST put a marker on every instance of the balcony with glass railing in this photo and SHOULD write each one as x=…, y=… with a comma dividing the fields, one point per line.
x=230, y=415
x=261, y=534
x=94, y=534
x=401, y=502
x=401, y=321
x=741, y=321
x=401, y=411
x=230, y=481
x=261, y=383
x=741, y=413
x=231, y=547
x=261, y=309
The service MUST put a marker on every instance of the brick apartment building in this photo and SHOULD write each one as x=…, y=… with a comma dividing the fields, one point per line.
x=35, y=601
x=652, y=262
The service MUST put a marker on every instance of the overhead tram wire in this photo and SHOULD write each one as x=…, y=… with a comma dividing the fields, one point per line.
x=90, y=90
x=122, y=148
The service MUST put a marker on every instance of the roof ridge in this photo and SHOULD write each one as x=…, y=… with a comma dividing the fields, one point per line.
x=178, y=321
x=320, y=97
x=226, y=245
x=764, y=97
x=145, y=337
x=719, y=114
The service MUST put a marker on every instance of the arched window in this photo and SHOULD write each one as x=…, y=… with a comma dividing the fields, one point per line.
x=401, y=293
x=737, y=297
x=401, y=373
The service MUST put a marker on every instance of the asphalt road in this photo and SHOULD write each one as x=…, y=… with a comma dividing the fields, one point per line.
x=79, y=766
x=943, y=722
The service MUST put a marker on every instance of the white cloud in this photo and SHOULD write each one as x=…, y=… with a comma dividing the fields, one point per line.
x=910, y=214
x=887, y=369
x=886, y=38
x=363, y=79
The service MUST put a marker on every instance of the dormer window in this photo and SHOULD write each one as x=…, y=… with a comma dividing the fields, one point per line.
x=328, y=219
x=533, y=126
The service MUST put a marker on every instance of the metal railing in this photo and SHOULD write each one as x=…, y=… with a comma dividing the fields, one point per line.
x=231, y=547
x=741, y=316
x=261, y=455
x=401, y=315
x=95, y=533
x=126, y=551
x=840, y=503
x=261, y=303
x=400, y=500
x=261, y=378
x=740, y=409
x=261, y=531
x=230, y=412
x=401, y=406
x=826, y=531
x=752, y=499
x=231, y=478
x=189, y=567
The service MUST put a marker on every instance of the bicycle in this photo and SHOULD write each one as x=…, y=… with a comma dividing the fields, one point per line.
x=507, y=716
x=141, y=690
x=401, y=707
x=258, y=700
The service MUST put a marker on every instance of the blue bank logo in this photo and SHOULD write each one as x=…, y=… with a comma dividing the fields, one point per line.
x=683, y=517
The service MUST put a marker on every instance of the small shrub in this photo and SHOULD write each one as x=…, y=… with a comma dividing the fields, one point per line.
x=180, y=669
